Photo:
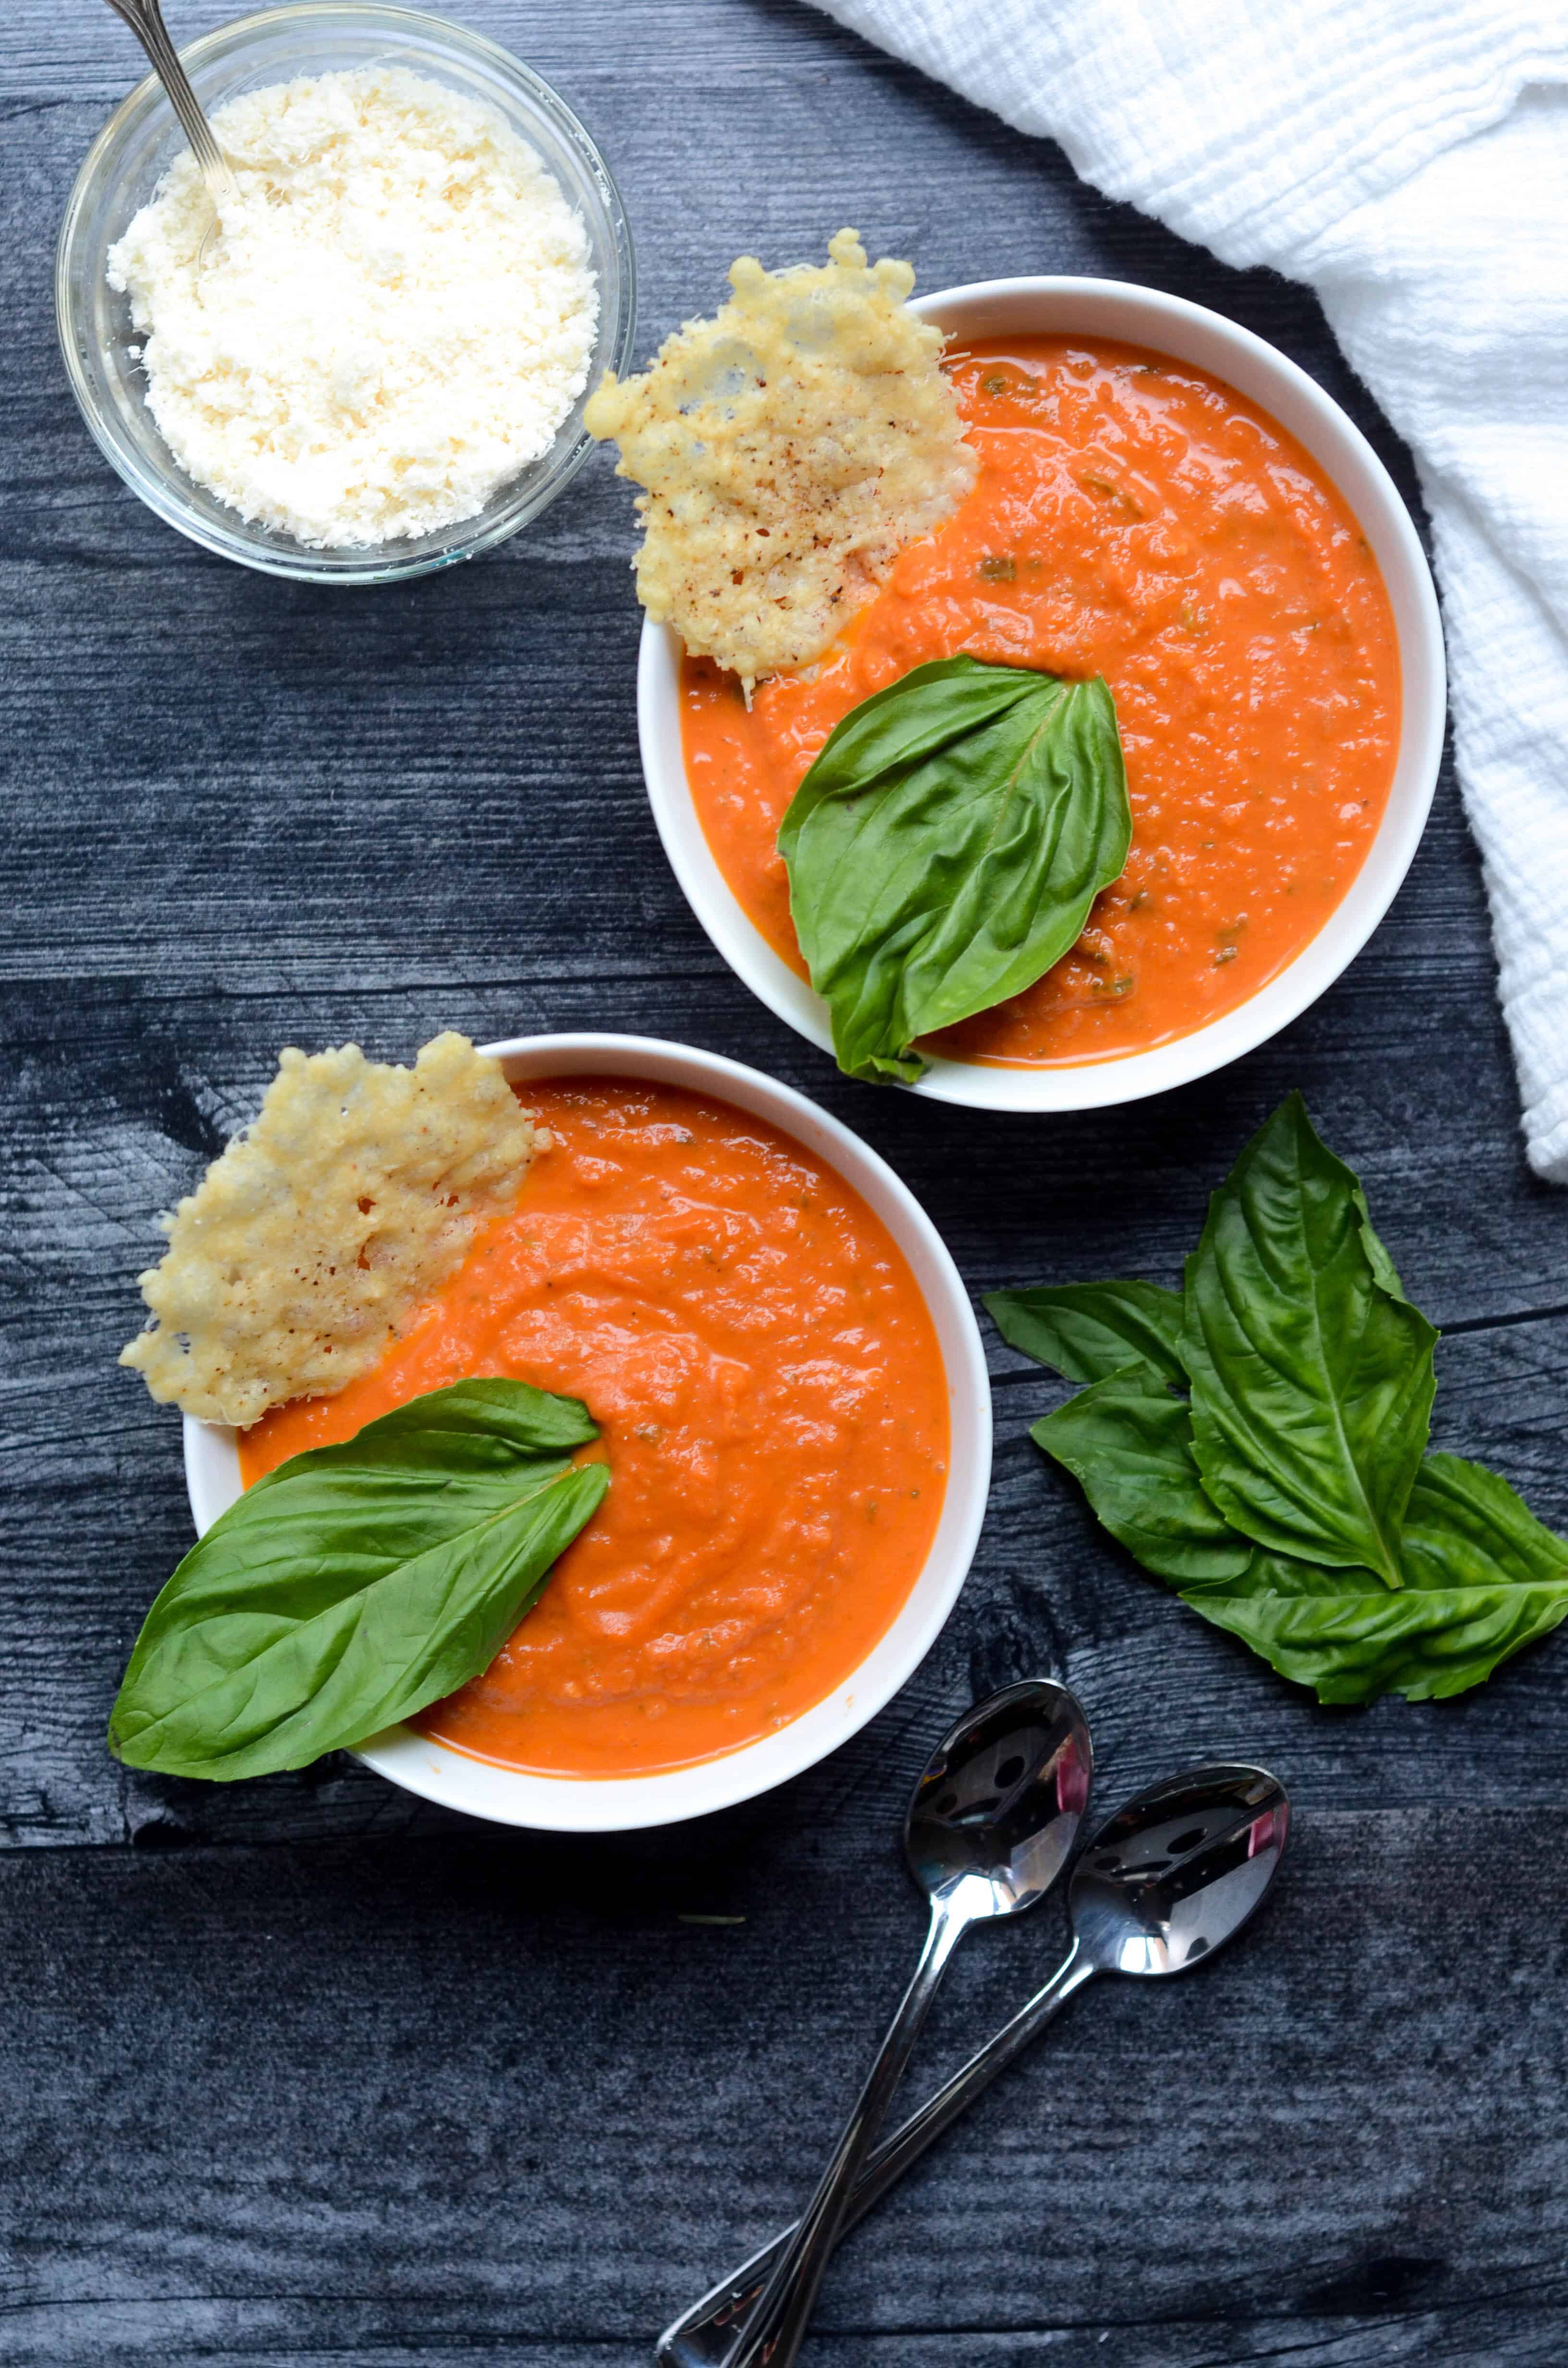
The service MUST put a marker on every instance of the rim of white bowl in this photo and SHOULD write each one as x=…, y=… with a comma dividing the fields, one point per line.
x=1143, y=316
x=625, y=1804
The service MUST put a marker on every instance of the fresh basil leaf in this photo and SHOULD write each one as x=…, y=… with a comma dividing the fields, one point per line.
x=476, y=1425
x=1311, y=1384
x=1311, y=1388
x=1089, y=1330
x=1482, y=1577
x=945, y=846
x=1128, y=1444
x=357, y=1583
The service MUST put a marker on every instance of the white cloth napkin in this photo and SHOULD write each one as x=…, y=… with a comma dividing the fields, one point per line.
x=1409, y=159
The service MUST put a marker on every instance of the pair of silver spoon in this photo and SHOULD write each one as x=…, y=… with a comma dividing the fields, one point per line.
x=992, y=1823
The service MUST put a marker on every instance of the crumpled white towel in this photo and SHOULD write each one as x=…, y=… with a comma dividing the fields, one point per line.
x=1409, y=159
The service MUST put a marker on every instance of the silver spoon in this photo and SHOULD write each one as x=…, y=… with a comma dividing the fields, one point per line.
x=1162, y=1886
x=991, y=1826
x=146, y=21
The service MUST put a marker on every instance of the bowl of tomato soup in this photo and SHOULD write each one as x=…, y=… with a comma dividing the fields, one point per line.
x=1167, y=501
x=794, y=1402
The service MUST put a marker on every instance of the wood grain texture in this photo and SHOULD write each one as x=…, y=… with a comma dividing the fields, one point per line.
x=396, y=2101
x=367, y=2084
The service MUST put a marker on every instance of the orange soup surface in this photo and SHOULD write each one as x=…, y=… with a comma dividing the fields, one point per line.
x=773, y=1405
x=1137, y=519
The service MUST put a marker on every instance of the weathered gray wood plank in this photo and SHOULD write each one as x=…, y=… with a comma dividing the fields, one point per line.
x=395, y=2100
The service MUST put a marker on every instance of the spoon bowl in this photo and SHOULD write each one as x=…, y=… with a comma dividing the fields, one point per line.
x=999, y=1806
x=1178, y=1870
x=101, y=350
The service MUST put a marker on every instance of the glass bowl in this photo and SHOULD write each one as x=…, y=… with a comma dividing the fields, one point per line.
x=129, y=158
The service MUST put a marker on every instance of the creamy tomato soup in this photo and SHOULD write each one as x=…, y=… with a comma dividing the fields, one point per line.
x=1135, y=518
x=774, y=1409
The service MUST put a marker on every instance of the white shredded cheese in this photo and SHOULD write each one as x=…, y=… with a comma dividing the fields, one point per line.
x=393, y=320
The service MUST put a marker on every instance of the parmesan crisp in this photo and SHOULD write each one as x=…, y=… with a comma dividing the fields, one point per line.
x=789, y=449
x=354, y=1195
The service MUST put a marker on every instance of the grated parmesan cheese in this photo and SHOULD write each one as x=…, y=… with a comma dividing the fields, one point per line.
x=790, y=448
x=393, y=320
x=354, y=1195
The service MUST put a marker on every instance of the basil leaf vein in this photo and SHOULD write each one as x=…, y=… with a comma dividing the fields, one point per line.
x=945, y=846
x=357, y=1583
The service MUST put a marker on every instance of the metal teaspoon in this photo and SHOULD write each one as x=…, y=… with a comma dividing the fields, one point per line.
x=146, y=21
x=1164, y=1885
x=991, y=1826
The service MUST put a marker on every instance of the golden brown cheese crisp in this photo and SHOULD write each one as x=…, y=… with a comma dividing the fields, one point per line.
x=790, y=448
x=354, y=1195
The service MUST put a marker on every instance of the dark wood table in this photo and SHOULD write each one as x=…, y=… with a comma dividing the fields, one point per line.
x=299, y=2072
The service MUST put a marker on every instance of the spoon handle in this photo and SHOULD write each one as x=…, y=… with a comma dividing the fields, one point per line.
x=146, y=21
x=704, y=2336
x=774, y=2329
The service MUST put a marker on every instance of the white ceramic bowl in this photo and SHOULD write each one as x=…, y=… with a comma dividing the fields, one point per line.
x=611, y=1805
x=1109, y=308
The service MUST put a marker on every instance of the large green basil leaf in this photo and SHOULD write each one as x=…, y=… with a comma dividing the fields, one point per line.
x=357, y=1583
x=1128, y=1444
x=1089, y=1330
x=945, y=846
x=1482, y=1578
x=1311, y=1384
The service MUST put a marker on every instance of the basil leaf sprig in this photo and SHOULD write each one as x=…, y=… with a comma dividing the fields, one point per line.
x=357, y=1583
x=945, y=846
x=1258, y=1441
